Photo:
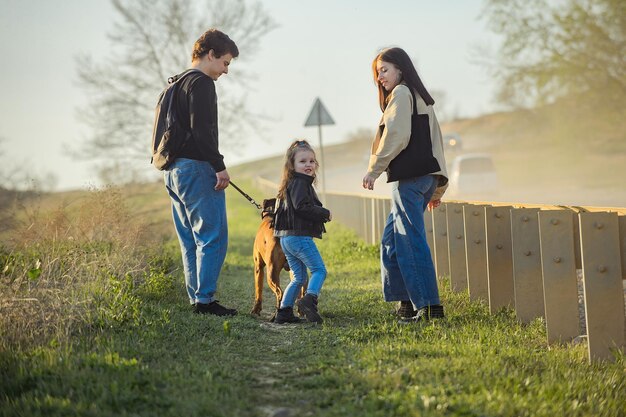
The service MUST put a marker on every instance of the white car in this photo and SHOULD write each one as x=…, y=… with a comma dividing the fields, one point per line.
x=473, y=176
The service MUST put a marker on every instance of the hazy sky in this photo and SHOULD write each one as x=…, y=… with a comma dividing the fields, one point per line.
x=321, y=48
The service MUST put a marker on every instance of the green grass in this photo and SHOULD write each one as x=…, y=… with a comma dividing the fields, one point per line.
x=166, y=361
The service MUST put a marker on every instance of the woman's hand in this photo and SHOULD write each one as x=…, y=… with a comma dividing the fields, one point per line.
x=368, y=181
x=433, y=204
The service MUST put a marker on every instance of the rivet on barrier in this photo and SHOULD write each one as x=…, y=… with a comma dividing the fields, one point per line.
x=557, y=260
x=527, y=253
x=554, y=221
x=602, y=268
x=499, y=246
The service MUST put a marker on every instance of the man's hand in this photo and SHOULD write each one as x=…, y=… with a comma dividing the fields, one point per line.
x=223, y=179
x=368, y=181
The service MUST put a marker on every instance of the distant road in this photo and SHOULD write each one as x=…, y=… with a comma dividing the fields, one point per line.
x=346, y=164
x=348, y=179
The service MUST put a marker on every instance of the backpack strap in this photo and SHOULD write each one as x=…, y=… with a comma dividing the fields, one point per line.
x=175, y=78
x=173, y=87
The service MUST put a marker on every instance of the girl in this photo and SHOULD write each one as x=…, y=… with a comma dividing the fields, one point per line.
x=409, y=147
x=300, y=217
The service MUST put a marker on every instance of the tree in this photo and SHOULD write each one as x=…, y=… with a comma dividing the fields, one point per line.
x=559, y=49
x=151, y=41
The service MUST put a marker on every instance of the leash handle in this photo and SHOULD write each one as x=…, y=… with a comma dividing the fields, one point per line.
x=250, y=199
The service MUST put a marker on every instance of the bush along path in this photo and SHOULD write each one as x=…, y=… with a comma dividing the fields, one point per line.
x=166, y=361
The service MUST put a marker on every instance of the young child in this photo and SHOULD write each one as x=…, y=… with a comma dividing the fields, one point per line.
x=300, y=217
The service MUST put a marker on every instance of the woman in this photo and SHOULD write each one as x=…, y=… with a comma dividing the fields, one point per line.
x=409, y=148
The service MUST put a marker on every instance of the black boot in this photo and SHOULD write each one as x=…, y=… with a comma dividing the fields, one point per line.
x=214, y=308
x=406, y=310
x=425, y=314
x=285, y=315
x=308, y=305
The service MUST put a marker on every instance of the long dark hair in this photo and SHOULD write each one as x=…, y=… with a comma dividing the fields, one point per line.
x=400, y=59
x=289, y=167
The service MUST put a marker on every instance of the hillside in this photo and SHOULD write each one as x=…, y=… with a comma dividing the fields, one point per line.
x=540, y=157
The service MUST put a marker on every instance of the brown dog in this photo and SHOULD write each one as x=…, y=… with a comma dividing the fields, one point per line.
x=269, y=258
x=268, y=255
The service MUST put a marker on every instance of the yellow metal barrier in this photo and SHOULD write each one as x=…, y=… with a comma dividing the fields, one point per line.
x=565, y=264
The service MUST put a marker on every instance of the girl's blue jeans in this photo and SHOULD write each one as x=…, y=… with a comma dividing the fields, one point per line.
x=301, y=253
x=407, y=268
x=199, y=213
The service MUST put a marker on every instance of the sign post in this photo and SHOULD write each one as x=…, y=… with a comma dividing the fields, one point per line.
x=319, y=116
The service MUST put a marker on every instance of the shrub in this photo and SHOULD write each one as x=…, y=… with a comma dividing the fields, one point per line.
x=74, y=269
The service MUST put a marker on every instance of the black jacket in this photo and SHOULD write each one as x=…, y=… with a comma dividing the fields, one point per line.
x=197, y=110
x=301, y=213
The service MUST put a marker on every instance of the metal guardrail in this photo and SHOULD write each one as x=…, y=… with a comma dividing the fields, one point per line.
x=536, y=259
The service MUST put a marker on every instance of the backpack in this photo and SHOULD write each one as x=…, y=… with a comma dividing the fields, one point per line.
x=168, y=135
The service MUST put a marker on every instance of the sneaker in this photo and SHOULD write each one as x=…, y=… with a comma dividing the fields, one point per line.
x=285, y=315
x=405, y=310
x=214, y=308
x=308, y=305
x=425, y=314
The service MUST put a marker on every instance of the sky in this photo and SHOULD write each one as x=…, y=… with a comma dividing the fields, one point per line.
x=321, y=49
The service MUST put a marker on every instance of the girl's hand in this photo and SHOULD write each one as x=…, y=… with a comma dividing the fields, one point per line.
x=368, y=181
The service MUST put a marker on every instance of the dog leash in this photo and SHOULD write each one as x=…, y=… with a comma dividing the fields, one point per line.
x=250, y=199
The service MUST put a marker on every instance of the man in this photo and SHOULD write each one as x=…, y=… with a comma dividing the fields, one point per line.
x=197, y=178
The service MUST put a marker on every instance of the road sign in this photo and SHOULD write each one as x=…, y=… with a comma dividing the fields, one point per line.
x=319, y=115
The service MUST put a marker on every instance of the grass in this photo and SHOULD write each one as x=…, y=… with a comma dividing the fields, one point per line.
x=142, y=352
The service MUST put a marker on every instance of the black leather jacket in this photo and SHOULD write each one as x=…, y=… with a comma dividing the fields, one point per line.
x=301, y=213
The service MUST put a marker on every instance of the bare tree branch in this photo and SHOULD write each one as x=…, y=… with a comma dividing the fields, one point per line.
x=152, y=40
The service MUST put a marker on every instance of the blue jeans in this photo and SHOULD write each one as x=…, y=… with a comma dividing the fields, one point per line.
x=301, y=253
x=199, y=214
x=407, y=268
